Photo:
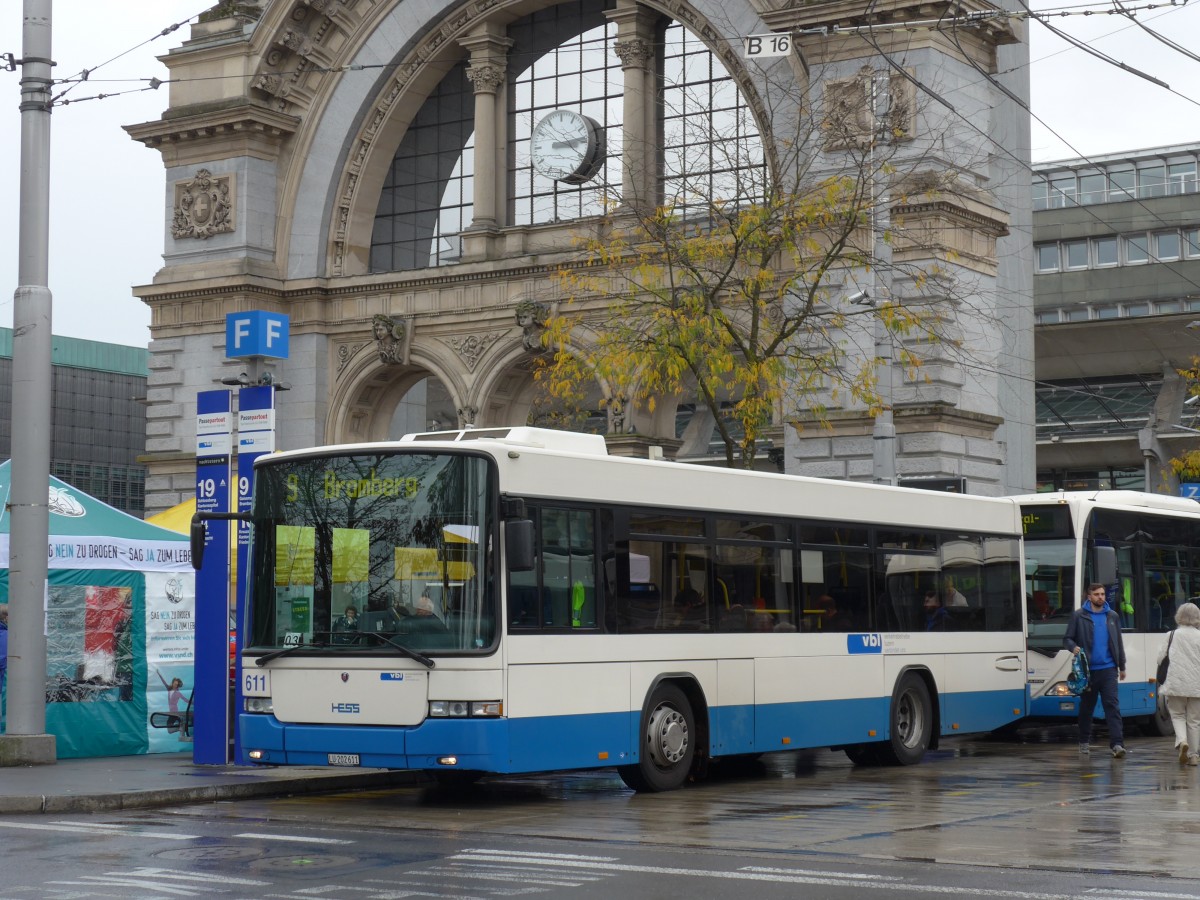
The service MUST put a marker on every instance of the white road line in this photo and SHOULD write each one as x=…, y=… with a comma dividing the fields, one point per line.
x=821, y=873
x=551, y=872
x=300, y=839
x=93, y=880
x=496, y=876
x=825, y=878
x=118, y=830
x=541, y=855
x=146, y=873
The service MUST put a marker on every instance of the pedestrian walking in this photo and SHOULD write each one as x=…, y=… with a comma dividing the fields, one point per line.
x=1182, y=685
x=3, y=646
x=1095, y=628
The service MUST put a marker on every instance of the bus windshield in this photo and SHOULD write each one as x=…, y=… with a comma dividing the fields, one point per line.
x=372, y=551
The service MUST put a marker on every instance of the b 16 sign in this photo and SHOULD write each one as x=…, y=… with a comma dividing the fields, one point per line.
x=756, y=46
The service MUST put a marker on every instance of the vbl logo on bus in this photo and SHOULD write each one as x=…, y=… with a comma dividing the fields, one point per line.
x=864, y=643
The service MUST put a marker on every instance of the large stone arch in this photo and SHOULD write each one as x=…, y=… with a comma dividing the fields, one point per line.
x=365, y=399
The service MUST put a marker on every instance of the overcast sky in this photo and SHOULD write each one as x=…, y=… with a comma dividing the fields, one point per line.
x=107, y=192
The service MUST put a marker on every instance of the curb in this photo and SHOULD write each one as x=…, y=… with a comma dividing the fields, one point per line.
x=267, y=787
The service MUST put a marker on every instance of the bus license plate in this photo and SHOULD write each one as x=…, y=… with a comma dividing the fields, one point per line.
x=343, y=759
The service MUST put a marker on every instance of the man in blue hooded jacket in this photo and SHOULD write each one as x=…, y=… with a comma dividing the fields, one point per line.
x=1097, y=629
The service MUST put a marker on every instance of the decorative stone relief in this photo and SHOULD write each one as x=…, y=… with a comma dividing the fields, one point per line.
x=473, y=346
x=532, y=316
x=848, y=118
x=467, y=416
x=389, y=338
x=616, y=408
x=345, y=352
x=203, y=206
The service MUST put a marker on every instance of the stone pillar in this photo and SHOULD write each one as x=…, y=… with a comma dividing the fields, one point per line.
x=487, y=73
x=639, y=155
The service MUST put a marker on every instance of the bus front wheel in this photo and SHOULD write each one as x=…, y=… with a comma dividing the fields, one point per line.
x=911, y=723
x=667, y=743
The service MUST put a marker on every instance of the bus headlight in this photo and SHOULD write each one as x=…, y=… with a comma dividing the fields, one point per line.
x=461, y=709
x=259, y=705
x=1060, y=690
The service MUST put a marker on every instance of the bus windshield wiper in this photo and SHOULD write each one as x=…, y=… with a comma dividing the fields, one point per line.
x=275, y=654
x=411, y=654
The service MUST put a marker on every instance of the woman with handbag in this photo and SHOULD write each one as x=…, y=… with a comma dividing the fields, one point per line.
x=1180, y=649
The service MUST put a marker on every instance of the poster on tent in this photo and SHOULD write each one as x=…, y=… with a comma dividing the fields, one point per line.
x=119, y=646
x=170, y=652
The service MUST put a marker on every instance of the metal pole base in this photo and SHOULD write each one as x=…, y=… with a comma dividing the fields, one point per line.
x=27, y=750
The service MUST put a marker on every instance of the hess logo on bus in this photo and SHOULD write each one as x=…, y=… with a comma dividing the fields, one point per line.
x=344, y=707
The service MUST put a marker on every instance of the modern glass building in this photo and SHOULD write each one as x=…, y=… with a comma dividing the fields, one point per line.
x=98, y=417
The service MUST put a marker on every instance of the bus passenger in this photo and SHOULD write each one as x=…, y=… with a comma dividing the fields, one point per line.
x=344, y=624
x=935, y=613
x=952, y=596
x=689, y=612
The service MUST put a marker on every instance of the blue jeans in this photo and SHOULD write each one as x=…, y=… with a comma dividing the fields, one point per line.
x=1102, y=685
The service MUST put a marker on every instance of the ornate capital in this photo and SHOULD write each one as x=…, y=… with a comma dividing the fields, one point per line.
x=203, y=206
x=634, y=53
x=486, y=79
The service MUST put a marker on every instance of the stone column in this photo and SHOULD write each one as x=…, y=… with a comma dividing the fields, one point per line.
x=487, y=73
x=639, y=155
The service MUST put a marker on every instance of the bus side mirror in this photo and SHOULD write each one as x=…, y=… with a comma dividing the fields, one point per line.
x=1106, y=564
x=196, y=537
x=518, y=544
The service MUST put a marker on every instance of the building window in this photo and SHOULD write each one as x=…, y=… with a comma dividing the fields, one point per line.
x=1046, y=317
x=1181, y=177
x=1062, y=191
x=1152, y=180
x=1077, y=314
x=1166, y=307
x=1191, y=242
x=1106, y=251
x=1091, y=188
x=1108, y=312
x=582, y=74
x=1166, y=245
x=712, y=150
x=1040, y=192
x=1120, y=184
x=1137, y=309
x=1075, y=254
x=1136, y=249
x=1047, y=257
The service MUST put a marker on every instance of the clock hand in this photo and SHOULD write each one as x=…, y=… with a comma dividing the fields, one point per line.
x=571, y=143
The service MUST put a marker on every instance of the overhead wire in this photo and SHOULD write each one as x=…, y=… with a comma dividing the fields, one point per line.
x=85, y=74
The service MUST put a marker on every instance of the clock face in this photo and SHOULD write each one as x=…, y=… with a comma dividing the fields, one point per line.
x=567, y=146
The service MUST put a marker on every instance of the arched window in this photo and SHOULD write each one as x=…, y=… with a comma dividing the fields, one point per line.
x=562, y=57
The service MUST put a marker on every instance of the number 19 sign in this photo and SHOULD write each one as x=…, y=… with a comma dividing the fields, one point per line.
x=756, y=46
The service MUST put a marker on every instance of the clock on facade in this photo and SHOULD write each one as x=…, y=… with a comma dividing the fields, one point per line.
x=567, y=146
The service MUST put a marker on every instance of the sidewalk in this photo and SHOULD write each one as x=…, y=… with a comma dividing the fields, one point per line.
x=155, y=779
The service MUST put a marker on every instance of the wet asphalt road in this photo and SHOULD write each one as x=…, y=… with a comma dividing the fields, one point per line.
x=1027, y=819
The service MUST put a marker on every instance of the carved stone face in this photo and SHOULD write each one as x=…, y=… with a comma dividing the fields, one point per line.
x=381, y=329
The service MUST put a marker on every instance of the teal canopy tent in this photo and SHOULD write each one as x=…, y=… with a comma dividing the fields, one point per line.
x=120, y=622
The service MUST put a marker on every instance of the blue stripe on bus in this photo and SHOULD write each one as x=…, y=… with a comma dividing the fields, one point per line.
x=549, y=743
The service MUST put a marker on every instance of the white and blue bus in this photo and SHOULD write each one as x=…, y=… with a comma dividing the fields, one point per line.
x=523, y=602
x=1143, y=547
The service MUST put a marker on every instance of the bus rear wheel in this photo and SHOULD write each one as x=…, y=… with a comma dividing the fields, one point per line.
x=667, y=743
x=911, y=726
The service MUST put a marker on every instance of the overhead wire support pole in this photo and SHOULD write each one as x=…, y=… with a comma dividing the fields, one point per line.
x=25, y=741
